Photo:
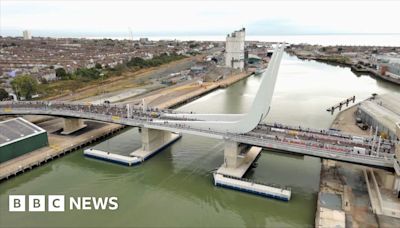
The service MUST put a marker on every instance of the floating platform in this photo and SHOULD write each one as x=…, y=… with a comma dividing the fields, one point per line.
x=134, y=158
x=251, y=156
x=249, y=186
x=110, y=157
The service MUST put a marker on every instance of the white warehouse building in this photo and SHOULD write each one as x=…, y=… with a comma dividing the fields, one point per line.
x=234, y=48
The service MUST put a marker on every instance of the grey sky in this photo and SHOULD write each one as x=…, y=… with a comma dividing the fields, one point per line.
x=114, y=18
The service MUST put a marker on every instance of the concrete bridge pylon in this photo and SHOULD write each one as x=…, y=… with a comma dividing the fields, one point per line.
x=238, y=158
x=72, y=125
x=154, y=140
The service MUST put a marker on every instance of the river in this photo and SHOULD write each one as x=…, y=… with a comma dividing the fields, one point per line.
x=174, y=188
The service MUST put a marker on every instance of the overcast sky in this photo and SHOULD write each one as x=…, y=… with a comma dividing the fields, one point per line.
x=115, y=18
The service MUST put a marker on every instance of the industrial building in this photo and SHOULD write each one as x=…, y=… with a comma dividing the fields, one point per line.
x=234, y=49
x=382, y=112
x=388, y=64
x=390, y=69
x=18, y=137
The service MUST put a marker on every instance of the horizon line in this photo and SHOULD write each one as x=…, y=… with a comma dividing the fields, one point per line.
x=144, y=35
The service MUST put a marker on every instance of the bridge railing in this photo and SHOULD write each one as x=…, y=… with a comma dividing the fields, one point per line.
x=330, y=150
x=327, y=135
x=116, y=115
x=111, y=109
x=310, y=130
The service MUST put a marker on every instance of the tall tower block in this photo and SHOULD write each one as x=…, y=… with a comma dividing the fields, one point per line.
x=26, y=34
x=234, y=48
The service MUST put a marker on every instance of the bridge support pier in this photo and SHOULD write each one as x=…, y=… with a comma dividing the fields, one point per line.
x=72, y=125
x=153, y=141
x=238, y=158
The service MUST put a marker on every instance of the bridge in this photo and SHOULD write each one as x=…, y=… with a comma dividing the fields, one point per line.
x=239, y=131
x=328, y=144
x=244, y=134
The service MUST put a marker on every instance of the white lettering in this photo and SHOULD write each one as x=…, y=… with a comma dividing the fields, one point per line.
x=56, y=203
x=74, y=203
x=16, y=203
x=100, y=203
x=36, y=203
x=86, y=201
x=114, y=203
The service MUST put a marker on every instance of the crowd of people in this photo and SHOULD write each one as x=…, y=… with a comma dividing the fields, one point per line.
x=122, y=111
x=303, y=136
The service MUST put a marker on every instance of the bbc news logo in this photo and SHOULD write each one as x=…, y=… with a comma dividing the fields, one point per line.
x=57, y=203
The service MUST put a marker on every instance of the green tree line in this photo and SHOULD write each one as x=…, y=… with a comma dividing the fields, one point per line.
x=97, y=72
x=26, y=85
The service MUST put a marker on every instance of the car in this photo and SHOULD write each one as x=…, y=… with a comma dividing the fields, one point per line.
x=362, y=126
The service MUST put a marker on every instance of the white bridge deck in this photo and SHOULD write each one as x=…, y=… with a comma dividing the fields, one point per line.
x=257, y=137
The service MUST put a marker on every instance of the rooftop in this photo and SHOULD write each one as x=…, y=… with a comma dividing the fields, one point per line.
x=390, y=101
x=14, y=130
x=385, y=108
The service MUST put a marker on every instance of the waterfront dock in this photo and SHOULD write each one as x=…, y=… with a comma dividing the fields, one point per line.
x=365, y=195
x=375, y=73
x=361, y=63
x=341, y=104
x=58, y=146
x=182, y=94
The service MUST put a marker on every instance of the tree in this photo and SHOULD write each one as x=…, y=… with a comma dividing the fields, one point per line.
x=43, y=81
x=25, y=86
x=88, y=73
x=61, y=73
x=98, y=66
x=3, y=94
